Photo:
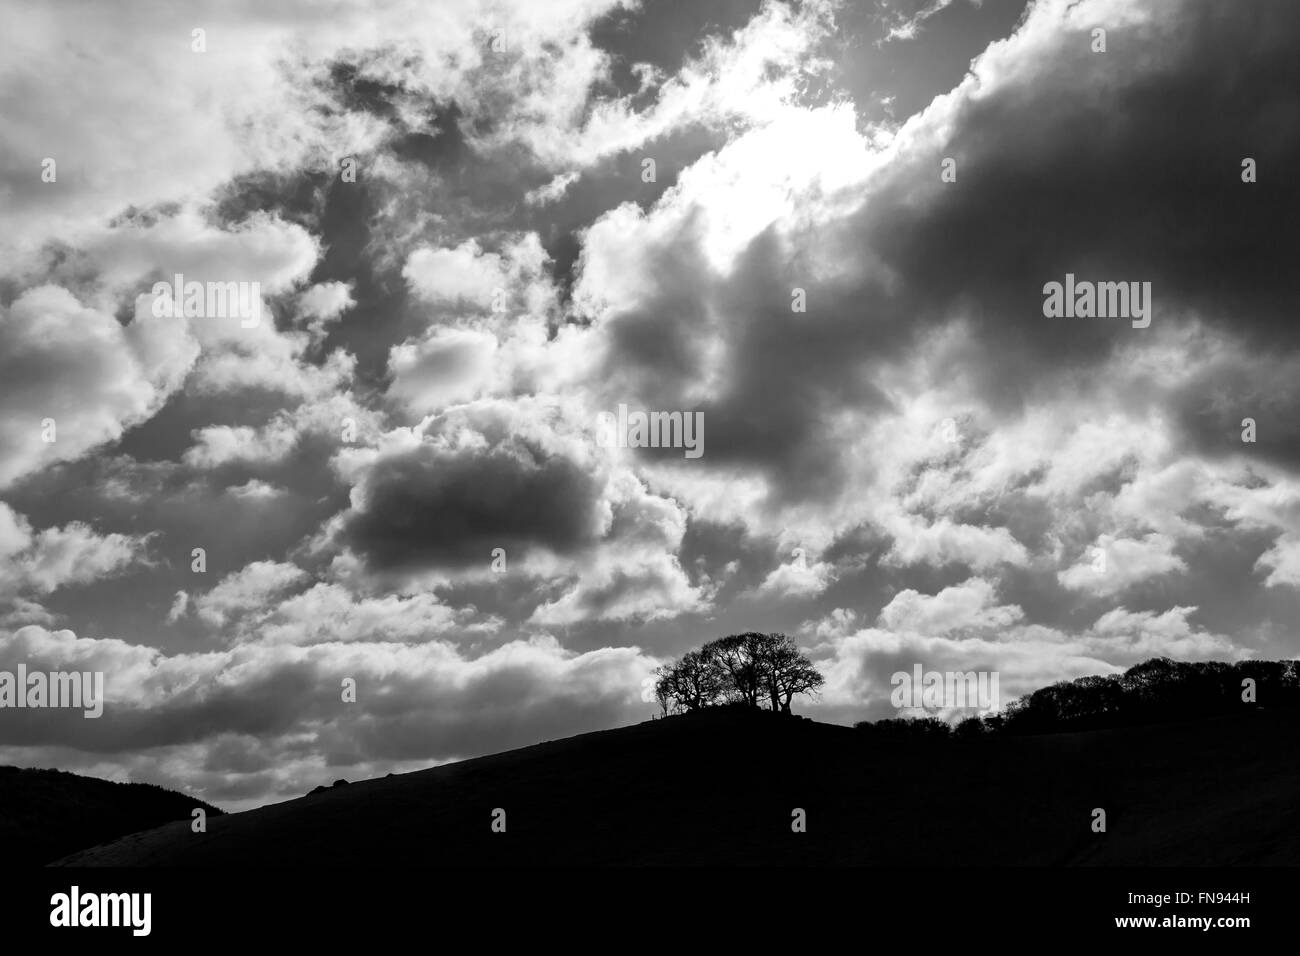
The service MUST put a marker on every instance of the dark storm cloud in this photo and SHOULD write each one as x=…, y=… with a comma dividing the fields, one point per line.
x=1214, y=405
x=780, y=401
x=1124, y=165
x=426, y=507
x=1120, y=165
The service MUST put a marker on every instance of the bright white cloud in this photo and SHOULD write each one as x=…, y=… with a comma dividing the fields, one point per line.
x=73, y=378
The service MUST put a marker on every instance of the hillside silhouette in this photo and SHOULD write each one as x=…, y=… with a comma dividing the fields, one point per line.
x=718, y=786
x=46, y=814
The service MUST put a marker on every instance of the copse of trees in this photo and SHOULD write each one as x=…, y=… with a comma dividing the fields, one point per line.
x=1151, y=692
x=909, y=728
x=752, y=669
x=1154, y=691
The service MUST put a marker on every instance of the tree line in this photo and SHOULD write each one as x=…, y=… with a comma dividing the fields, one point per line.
x=751, y=669
x=1154, y=691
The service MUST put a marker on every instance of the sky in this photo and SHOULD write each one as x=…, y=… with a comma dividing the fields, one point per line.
x=474, y=229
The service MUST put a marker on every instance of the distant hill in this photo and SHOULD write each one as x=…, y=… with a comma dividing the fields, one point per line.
x=46, y=814
x=719, y=788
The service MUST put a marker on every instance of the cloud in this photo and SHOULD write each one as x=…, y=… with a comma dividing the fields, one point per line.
x=254, y=490
x=1122, y=562
x=247, y=589
x=426, y=702
x=969, y=605
x=218, y=444
x=331, y=418
x=447, y=366
x=552, y=191
x=1283, y=562
x=633, y=573
x=328, y=612
x=443, y=496
x=73, y=378
x=1138, y=635
x=744, y=79
x=269, y=73
x=797, y=578
x=464, y=275
x=262, y=249
x=180, y=607
x=945, y=542
x=324, y=302
x=40, y=562
x=962, y=628
x=906, y=23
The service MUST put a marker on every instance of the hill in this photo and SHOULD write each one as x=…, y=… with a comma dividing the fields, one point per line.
x=720, y=787
x=46, y=814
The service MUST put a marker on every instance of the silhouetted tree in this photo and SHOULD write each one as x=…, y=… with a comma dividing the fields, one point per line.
x=695, y=681
x=787, y=671
x=741, y=669
x=739, y=655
